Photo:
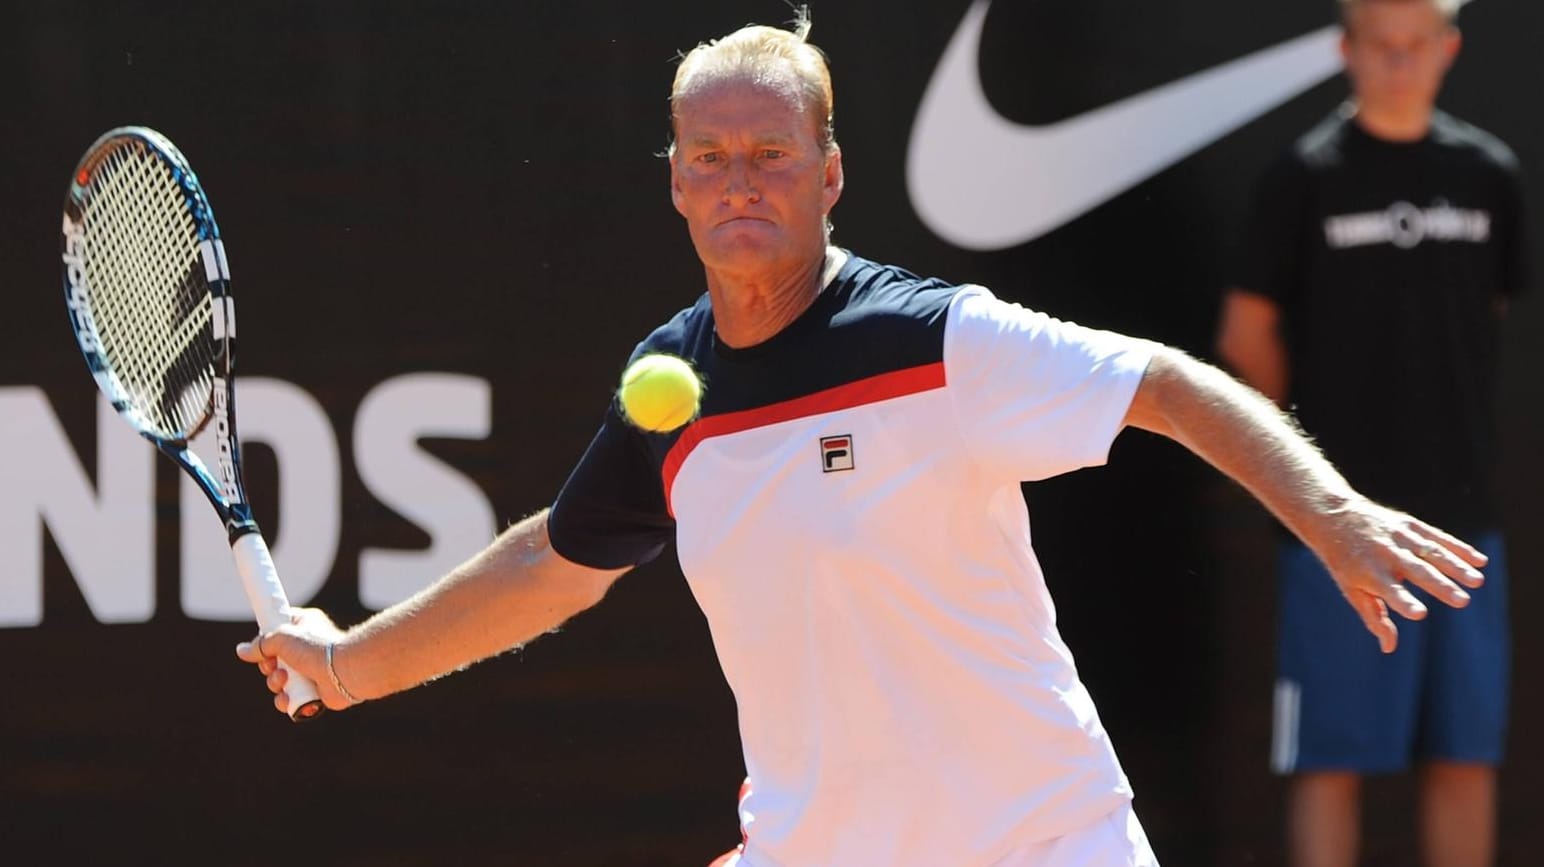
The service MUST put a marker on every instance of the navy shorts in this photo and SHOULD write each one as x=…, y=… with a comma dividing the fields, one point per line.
x=1341, y=704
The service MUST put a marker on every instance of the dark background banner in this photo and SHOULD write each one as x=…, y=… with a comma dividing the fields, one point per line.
x=474, y=189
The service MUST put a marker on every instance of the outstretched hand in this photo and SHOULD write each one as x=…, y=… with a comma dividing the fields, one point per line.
x=302, y=644
x=1372, y=550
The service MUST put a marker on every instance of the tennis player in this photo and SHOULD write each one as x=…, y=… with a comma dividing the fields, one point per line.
x=848, y=514
x=1383, y=248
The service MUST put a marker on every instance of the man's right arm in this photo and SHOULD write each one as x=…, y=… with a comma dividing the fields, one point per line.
x=515, y=590
x=1249, y=341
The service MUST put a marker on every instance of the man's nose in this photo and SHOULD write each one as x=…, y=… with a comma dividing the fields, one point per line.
x=740, y=185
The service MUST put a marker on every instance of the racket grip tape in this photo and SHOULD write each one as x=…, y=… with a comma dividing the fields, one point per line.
x=260, y=580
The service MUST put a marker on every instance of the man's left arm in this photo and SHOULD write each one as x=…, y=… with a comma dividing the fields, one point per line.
x=1369, y=549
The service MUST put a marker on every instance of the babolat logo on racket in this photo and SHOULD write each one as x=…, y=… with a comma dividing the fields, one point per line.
x=74, y=257
x=222, y=433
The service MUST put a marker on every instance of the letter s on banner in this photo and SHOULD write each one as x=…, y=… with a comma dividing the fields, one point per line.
x=450, y=507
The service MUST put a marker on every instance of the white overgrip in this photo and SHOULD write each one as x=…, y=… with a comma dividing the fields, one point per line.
x=260, y=580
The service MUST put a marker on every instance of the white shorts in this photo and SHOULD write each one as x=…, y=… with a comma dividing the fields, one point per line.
x=1117, y=840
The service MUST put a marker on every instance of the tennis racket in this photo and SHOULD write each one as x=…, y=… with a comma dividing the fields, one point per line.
x=148, y=292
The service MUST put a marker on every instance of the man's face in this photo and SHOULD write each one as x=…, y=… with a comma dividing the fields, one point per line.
x=750, y=176
x=1397, y=52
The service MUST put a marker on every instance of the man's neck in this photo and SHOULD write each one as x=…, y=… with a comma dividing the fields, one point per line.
x=1395, y=126
x=750, y=308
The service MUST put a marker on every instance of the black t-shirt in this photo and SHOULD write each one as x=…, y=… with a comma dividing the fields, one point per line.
x=1387, y=261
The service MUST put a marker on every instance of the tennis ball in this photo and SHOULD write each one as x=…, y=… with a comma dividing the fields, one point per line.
x=660, y=393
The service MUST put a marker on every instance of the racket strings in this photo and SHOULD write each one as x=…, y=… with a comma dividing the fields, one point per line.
x=149, y=298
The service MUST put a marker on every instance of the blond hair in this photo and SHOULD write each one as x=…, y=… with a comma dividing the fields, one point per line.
x=1448, y=8
x=768, y=56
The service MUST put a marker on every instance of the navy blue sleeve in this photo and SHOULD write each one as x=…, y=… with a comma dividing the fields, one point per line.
x=611, y=512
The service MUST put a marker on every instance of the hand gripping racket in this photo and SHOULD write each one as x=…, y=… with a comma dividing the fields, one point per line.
x=148, y=291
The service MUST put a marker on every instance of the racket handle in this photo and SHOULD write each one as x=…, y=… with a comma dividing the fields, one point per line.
x=260, y=580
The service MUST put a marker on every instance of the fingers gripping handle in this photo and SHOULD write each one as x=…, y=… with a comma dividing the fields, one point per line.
x=260, y=580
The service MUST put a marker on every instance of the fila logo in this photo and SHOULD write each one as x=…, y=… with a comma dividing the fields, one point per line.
x=836, y=453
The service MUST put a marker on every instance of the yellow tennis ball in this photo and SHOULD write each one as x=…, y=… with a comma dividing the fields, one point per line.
x=660, y=393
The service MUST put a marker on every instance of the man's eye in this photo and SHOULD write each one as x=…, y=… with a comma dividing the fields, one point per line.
x=709, y=157
x=772, y=154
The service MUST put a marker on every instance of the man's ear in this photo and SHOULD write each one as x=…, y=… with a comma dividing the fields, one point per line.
x=1451, y=46
x=834, y=180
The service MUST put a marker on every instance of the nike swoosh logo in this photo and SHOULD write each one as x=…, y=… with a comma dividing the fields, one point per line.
x=982, y=182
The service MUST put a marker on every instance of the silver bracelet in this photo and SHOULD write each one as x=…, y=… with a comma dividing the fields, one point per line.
x=333, y=673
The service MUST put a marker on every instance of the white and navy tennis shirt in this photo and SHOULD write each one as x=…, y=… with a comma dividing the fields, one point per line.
x=848, y=514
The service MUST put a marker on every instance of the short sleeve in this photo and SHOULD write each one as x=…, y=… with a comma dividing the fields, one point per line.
x=611, y=512
x=1034, y=396
x=1270, y=249
x=1516, y=238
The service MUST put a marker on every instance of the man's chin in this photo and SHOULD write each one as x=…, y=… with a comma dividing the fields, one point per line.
x=1403, y=100
x=740, y=249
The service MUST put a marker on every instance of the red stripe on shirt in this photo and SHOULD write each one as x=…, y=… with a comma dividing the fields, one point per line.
x=885, y=386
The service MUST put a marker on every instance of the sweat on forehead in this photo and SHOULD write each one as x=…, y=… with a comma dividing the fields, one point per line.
x=781, y=61
x=773, y=78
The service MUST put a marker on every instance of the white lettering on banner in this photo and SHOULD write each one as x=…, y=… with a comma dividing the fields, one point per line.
x=1406, y=226
x=285, y=418
x=106, y=534
x=450, y=506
